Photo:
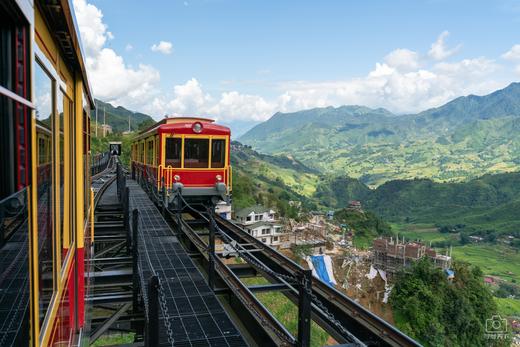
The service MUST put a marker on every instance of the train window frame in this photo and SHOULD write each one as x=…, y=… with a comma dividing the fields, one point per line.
x=59, y=267
x=46, y=68
x=207, y=155
x=150, y=152
x=165, y=152
x=223, y=155
x=66, y=224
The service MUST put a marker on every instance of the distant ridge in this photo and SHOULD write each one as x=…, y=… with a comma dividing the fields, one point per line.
x=467, y=137
x=117, y=117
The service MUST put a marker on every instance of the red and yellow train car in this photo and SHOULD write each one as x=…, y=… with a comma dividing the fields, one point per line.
x=187, y=155
x=45, y=104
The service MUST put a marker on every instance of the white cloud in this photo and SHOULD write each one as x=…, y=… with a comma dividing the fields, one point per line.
x=403, y=59
x=403, y=81
x=163, y=47
x=129, y=47
x=112, y=80
x=439, y=50
x=513, y=53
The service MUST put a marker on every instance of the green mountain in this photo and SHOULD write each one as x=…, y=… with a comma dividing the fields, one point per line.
x=467, y=137
x=270, y=180
x=117, y=117
x=489, y=203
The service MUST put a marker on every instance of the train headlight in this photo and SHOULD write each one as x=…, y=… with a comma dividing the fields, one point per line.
x=219, y=178
x=176, y=178
x=197, y=127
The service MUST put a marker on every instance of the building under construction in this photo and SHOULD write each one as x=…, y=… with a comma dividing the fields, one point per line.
x=392, y=255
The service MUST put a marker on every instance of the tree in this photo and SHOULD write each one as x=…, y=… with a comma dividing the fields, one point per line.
x=438, y=312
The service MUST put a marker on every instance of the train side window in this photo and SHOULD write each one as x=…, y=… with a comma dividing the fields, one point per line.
x=218, y=153
x=173, y=152
x=44, y=101
x=196, y=153
x=149, y=154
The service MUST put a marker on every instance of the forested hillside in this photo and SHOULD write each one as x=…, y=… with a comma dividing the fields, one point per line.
x=491, y=202
x=117, y=117
x=466, y=138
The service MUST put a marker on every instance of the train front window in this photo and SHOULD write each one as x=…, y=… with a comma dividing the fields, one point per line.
x=196, y=153
x=173, y=152
x=218, y=153
x=44, y=101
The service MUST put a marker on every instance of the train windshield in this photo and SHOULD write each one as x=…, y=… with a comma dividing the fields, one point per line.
x=173, y=152
x=218, y=153
x=196, y=153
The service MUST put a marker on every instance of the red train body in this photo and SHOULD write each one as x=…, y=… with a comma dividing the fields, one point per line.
x=187, y=155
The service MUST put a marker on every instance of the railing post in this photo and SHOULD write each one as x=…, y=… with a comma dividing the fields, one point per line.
x=164, y=197
x=211, y=253
x=126, y=217
x=118, y=182
x=135, y=258
x=152, y=327
x=304, y=309
x=2, y=228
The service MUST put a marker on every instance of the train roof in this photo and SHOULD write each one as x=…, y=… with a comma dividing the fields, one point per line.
x=184, y=125
x=61, y=21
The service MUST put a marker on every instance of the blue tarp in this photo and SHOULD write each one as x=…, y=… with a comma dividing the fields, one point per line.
x=321, y=269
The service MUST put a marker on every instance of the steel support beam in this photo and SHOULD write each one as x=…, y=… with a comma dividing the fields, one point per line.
x=108, y=323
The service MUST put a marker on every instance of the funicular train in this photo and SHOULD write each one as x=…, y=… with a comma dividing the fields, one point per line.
x=189, y=156
x=45, y=193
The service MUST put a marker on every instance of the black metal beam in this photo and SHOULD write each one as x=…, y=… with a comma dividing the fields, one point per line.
x=243, y=270
x=108, y=323
x=110, y=298
x=268, y=287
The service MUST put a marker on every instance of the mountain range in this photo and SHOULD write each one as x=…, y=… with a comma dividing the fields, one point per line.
x=466, y=138
x=117, y=117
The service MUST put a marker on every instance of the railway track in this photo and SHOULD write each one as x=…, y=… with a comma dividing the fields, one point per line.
x=102, y=180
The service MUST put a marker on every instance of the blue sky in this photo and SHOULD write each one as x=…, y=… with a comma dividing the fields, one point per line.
x=241, y=61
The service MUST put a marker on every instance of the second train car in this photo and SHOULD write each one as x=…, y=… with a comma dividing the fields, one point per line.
x=187, y=155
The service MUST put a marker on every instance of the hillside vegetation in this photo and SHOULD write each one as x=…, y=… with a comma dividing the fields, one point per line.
x=489, y=203
x=117, y=118
x=466, y=138
x=437, y=312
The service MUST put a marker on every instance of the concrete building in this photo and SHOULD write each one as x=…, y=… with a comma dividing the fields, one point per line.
x=392, y=255
x=257, y=213
x=260, y=222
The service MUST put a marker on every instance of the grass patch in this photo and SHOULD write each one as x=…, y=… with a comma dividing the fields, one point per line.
x=114, y=339
x=496, y=260
x=508, y=307
x=286, y=312
x=423, y=232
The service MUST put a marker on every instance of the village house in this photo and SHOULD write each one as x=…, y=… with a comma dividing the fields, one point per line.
x=260, y=222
